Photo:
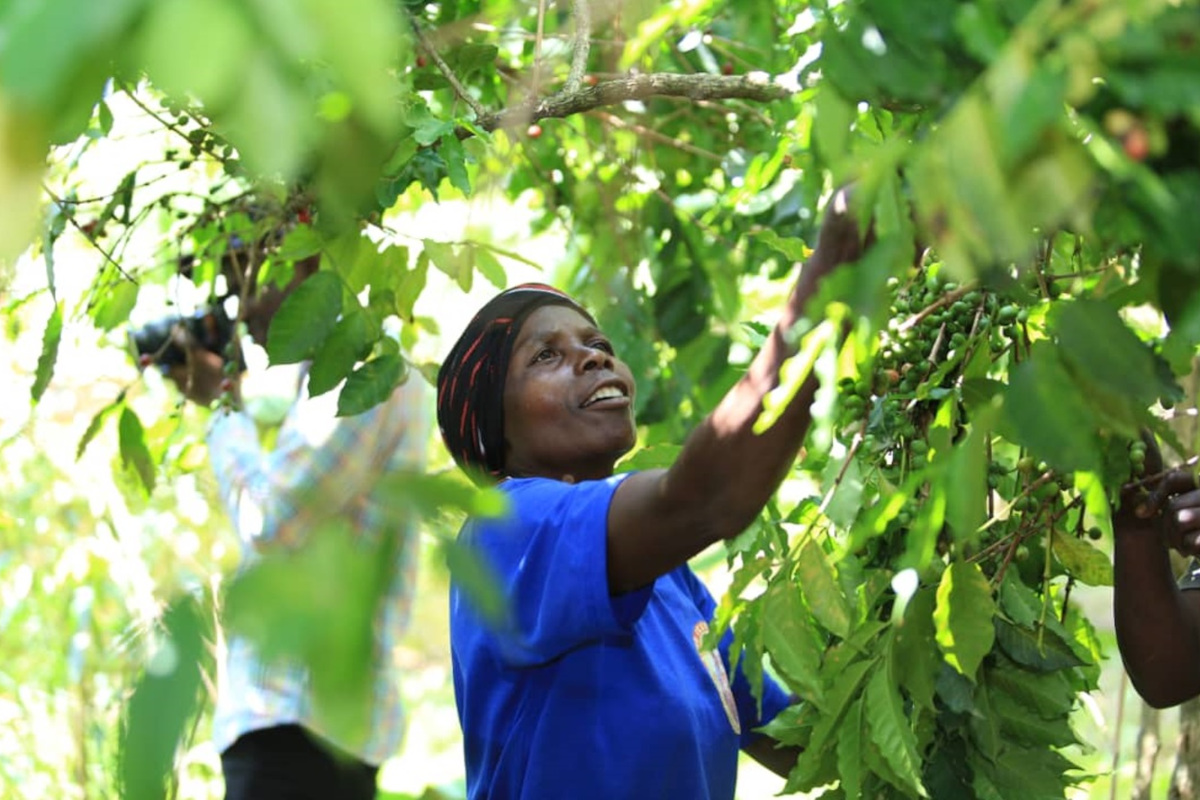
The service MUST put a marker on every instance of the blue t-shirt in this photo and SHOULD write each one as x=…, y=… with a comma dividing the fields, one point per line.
x=577, y=694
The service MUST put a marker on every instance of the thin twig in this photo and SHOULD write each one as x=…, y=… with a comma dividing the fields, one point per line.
x=583, y=31
x=649, y=133
x=62, y=204
x=943, y=301
x=444, y=68
x=537, y=47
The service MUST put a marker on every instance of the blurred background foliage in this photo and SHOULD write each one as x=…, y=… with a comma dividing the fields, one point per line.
x=666, y=163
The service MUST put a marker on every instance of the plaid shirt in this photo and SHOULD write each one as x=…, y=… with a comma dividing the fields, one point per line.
x=268, y=497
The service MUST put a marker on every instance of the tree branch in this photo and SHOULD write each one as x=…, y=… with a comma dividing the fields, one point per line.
x=579, y=59
x=634, y=87
x=444, y=68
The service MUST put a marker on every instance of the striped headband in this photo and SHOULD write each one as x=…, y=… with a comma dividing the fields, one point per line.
x=470, y=382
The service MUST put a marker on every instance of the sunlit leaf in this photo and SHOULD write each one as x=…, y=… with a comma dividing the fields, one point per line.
x=1083, y=561
x=166, y=698
x=791, y=640
x=824, y=596
x=135, y=454
x=49, y=355
x=114, y=304
x=963, y=617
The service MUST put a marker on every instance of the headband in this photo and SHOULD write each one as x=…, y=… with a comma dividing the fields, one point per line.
x=470, y=382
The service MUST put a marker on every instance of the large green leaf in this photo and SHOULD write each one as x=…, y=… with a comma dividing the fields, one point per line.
x=1045, y=412
x=164, y=703
x=337, y=356
x=114, y=304
x=963, y=617
x=135, y=455
x=1100, y=346
x=850, y=745
x=1041, y=650
x=371, y=384
x=1083, y=561
x=823, y=594
x=791, y=639
x=916, y=660
x=305, y=318
x=890, y=730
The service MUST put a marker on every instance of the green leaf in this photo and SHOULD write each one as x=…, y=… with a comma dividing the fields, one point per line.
x=890, y=730
x=824, y=596
x=966, y=482
x=1042, y=650
x=96, y=423
x=845, y=690
x=1083, y=561
x=165, y=700
x=456, y=163
x=371, y=384
x=916, y=660
x=1100, y=346
x=850, y=746
x=132, y=444
x=963, y=617
x=336, y=357
x=114, y=304
x=795, y=372
x=1048, y=694
x=450, y=261
x=316, y=605
x=305, y=318
x=1045, y=412
x=489, y=267
x=49, y=355
x=791, y=640
x=300, y=242
x=794, y=249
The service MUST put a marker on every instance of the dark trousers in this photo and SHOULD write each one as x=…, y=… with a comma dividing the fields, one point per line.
x=288, y=763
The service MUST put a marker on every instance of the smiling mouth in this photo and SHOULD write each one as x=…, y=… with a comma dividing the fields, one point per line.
x=605, y=393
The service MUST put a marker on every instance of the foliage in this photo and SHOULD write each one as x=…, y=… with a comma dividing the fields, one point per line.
x=975, y=423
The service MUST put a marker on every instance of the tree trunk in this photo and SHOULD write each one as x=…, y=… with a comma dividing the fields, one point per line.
x=1148, y=745
x=1185, y=777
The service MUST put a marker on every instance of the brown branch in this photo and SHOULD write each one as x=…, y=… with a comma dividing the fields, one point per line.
x=579, y=59
x=633, y=87
x=444, y=68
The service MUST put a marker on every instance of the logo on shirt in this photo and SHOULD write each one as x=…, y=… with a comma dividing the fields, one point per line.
x=716, y=670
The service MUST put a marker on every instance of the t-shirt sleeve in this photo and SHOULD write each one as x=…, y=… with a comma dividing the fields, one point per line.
x=774, y=697
x=550, y=557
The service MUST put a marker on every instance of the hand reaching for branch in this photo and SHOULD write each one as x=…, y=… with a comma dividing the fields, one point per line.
x=1173, y=501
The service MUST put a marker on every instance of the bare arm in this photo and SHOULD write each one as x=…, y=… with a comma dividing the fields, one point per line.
x=1157, y=624
x=726, y=472
x=779, y=760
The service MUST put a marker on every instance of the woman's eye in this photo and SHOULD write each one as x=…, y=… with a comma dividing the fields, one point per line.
x=605, y=345
x=543, y=354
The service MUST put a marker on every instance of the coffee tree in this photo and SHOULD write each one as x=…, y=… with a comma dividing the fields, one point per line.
x=1028, y=172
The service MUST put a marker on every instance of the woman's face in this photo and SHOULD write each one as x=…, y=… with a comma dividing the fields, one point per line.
x=568, y=400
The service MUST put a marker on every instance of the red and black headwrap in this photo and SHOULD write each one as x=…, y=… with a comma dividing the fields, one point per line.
x=470, y=382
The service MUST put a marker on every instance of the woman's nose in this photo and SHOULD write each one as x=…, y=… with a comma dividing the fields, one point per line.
x=595, y=358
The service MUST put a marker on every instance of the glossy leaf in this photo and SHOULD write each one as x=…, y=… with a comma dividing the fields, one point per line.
x=305, y=318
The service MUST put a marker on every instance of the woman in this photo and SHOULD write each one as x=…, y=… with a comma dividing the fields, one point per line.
x=595, y=683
